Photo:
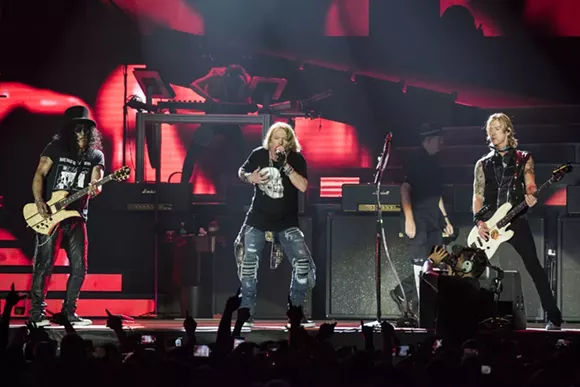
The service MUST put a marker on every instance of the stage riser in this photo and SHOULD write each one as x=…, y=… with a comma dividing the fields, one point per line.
x=92, y=307
x=569, y=268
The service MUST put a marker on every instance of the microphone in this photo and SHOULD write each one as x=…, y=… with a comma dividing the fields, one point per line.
x=382, y=162
x=280, y=152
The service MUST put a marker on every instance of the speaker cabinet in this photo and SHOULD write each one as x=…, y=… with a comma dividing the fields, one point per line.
x=509, y=306
x=573, y=199
x=351, y=265
x=569, y=268
x=123, y=242
x=508, y=259
x=512, y=300
x=273, y=284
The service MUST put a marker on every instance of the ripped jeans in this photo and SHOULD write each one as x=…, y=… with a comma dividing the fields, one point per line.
x=294, y=247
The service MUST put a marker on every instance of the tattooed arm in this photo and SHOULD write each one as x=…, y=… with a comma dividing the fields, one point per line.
x=478, y=187
x=530, y=181
x=530, y=177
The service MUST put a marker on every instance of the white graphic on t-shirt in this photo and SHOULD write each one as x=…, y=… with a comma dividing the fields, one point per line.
x=81, y=179
x=273, y=186
x=65, y=176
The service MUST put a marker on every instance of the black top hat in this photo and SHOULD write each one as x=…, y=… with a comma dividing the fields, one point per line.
x=430, y=130
x=78, y=114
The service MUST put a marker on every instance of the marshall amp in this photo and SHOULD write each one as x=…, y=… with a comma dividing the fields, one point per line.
x=362, y=198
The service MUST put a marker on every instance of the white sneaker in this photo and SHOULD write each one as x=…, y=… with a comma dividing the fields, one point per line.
x=77, y=321
x=305, y=323
x=40, y=322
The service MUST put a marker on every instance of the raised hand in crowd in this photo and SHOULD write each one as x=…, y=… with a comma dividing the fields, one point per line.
x=294, y=314
x=243, y=315
x=12, y=299
x=325, y=332
x=367, y=333
x=115, y=323
x=190, y=325
x=224, y=341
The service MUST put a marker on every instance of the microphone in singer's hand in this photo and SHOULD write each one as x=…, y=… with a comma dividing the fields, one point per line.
x=280, y=152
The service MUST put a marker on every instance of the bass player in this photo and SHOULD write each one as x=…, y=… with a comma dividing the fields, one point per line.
x=71, y=162
x=506, y=174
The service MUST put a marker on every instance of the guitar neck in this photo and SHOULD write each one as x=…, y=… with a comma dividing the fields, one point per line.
x=79, y=194
x=520, y=207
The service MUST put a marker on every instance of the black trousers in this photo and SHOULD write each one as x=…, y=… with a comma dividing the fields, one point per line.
x=71, y=235
x=523, y=243
x=428, y=234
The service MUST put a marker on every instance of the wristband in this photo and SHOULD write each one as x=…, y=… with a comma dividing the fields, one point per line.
x=288, y=170
x=39, y=200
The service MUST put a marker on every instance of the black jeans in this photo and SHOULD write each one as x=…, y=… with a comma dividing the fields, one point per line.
x=428, y=234
x=72, y=236
x=523, y=243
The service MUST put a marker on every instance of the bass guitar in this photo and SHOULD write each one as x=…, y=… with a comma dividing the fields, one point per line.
x=60, y=200
x=501, y=219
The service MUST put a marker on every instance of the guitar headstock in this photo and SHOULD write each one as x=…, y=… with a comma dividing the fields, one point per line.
x=558, y=173
x=121, y=173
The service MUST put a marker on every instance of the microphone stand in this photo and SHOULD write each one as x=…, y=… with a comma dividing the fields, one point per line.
x=379, y=235
x=496, y=322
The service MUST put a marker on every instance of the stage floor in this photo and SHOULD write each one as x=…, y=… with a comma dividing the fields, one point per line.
x=347, y=333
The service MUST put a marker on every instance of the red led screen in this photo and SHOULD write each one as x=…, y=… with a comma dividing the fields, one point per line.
x=553, y=17
x=341, y=18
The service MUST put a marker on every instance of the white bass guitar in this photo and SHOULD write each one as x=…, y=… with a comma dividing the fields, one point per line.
x=501, y=219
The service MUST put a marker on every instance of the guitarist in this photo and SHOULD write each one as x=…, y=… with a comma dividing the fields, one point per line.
x=507, y=175
x=71, y=162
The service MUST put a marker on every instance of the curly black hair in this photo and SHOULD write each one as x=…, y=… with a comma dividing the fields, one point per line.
x=69, y=140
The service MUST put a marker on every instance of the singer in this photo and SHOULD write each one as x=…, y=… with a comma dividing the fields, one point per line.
x=423, y=209
x=278, y=171
x=461, y=302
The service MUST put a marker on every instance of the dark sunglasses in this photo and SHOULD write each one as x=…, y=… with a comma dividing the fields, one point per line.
x=81, y=129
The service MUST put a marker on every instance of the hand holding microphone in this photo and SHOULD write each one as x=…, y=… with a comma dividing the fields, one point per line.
x=280, y=153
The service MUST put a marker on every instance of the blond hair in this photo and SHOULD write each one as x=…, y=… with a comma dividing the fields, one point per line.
x=293, y=143
x=507, y=126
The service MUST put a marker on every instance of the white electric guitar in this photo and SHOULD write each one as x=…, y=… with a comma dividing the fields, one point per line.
x=58, y=202
x=501, y=219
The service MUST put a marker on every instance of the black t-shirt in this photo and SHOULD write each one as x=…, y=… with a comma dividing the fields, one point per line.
x=275, y=203
x=70, y=172
x=423, y=173
x=462, y=304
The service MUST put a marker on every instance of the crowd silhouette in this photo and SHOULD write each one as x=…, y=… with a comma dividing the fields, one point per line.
x=306, y=358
